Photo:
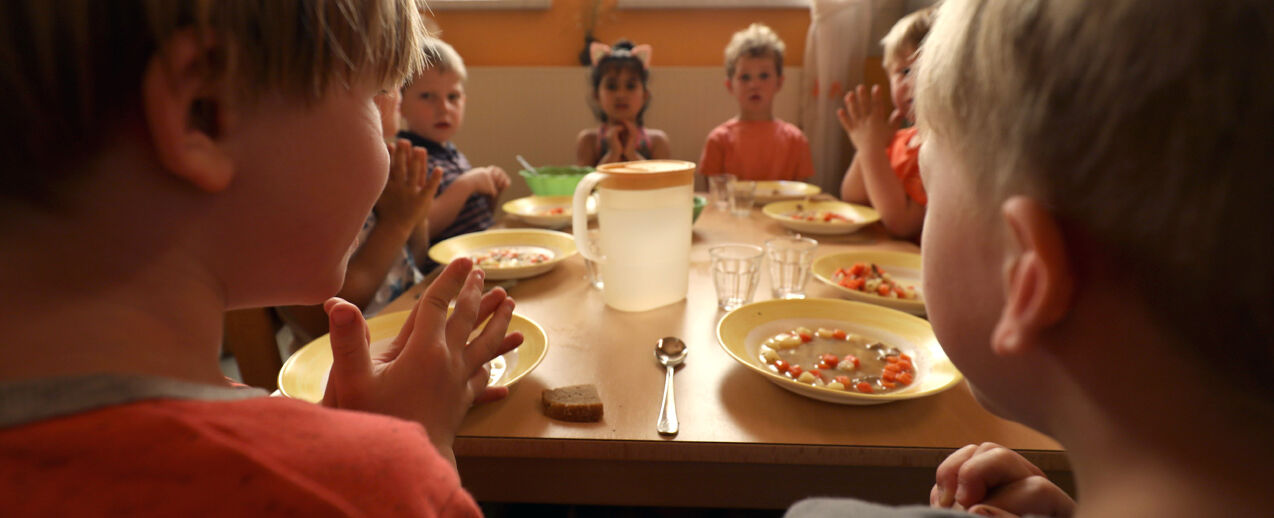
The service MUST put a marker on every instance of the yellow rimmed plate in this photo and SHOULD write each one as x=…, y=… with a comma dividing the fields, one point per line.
x=560, y=245
x=779, y=190
x=541, y=211
x=740, y=333
x=304, y=375
x=859, y=216
x=903, y=267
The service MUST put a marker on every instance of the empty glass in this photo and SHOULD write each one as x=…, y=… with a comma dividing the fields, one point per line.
x=594, y=269
x=721, y=190
x=736, y=271
x=744, y=196
x=790, y=262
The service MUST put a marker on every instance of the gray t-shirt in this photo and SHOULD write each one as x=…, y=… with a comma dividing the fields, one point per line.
x=825, y=507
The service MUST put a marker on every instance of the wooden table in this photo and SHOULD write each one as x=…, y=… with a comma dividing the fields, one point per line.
x=744, y=442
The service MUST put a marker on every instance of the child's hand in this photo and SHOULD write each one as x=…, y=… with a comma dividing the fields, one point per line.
x=488, y=181
x=431, y=372
x=994, y=480
x=410, y=190
x=865, y=120
x=633, y=136
x=615, y=140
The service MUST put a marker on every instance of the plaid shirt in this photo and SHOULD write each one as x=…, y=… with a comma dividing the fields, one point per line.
x=475, y=215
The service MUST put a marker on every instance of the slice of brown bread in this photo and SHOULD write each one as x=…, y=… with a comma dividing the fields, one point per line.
x=579, y=403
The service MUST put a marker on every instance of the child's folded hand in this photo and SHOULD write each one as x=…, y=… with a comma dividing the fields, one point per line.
x=432, y=373
x=996, y=481
x=410, y=190
x=487, y=181
x=864, y=118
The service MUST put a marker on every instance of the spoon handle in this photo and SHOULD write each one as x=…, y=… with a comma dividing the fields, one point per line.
x=668, y=412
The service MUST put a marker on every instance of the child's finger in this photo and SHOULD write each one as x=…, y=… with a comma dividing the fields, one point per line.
x=1034, y=495
x=431, y=185
x=877, y=99
x=431, y=314
x=464, y=316
x=481, y=377
x=851, y=105
x=351, y=371
x=493, y=340
x=947, y=476
x=990, y=467
x=843, y=118
x=490, y=394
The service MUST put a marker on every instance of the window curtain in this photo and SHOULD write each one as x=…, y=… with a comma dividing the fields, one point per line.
x=835, y=54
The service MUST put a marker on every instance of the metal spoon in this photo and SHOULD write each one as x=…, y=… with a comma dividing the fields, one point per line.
x=525, y=164
x=671, y=352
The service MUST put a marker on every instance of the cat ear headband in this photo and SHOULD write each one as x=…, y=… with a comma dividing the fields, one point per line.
x=642, y=52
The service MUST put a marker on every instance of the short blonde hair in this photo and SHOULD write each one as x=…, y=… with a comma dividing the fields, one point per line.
x=904, y=38
x=442, y=57
x=71, y=70
x=758, y=40
x=1146, y=127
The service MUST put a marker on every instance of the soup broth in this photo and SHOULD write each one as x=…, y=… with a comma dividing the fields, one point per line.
x=838, y=360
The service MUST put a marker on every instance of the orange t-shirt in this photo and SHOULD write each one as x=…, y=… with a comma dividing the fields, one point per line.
x=757, y=150
x=260, y=456
x=905, y=161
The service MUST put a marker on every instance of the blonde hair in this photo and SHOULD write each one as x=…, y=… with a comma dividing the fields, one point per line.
x=904, y=38
x=758, y=40
x=78, y=71
x=444, y=58
x=1146, y=127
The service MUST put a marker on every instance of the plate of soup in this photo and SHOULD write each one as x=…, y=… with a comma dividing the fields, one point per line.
x=546, y=211
x=508, y=253
x=821, y=217
x=883, y=277
x=838, y=351
x=778, y=190
x=304, y=374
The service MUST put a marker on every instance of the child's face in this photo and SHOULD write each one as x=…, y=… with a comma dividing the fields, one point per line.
x=755, y=82
x=316, y=193
x=962, y=262
x=621, y=95
x=901, y=81
x=433, y=105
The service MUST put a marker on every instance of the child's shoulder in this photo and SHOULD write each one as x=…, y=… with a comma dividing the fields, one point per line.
x=656, y=134
x=587, y=134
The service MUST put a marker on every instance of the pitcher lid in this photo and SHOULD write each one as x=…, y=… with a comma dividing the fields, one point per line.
x=647, y=174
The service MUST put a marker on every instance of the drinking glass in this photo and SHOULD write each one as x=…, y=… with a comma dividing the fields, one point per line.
x=736, y=271
x=594, y=269
x=721, y=190
x=744, y=196
x=790, y=262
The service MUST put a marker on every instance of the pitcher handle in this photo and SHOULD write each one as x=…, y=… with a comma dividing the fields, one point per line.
x=579, y=215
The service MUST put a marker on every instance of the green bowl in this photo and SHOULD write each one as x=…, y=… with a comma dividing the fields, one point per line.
x=554, y=180
x=700, y=203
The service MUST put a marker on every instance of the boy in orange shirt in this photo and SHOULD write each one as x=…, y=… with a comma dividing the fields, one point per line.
x=1099, y=251
x=756, y=145
x=217, y=155
x=885, y=172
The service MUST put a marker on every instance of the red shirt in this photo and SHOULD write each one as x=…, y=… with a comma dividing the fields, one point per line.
x=253, y=457
x=757, y=150
x=905, y=161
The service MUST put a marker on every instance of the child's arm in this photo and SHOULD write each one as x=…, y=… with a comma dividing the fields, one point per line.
x=488, y=181
x=586, y=148
x=851, y=187
x=865, y=121
x=712, y=160
x=400, y=208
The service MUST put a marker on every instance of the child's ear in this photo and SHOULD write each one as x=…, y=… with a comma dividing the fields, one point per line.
x=779, y=83
x=729, y=85
x=1038, y=280
x=185, y=107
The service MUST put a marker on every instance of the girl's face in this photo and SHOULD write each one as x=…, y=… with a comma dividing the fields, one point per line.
x=901, y=80
x=621, y=95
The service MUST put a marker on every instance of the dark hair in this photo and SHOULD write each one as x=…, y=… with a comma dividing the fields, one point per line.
x=620, y=58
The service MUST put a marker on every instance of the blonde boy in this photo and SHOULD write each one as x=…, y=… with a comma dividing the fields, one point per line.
x=433, y=106
x=885, y=172
x=756, y=145
x=166, y=162
x=1099, y=254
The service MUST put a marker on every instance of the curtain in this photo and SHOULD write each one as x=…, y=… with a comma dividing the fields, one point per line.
x=835, y=54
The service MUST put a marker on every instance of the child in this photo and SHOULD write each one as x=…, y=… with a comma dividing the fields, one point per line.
x=433, y=106
x=619, y=78
x=1095, y=259
x=227, y=160
x=885, y=172
x=754, y=145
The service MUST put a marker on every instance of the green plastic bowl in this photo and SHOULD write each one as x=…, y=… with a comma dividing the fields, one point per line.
x=700, y=203
x=554, y=180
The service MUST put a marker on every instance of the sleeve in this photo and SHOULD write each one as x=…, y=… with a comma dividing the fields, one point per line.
x=712, y=161
x=829, y=507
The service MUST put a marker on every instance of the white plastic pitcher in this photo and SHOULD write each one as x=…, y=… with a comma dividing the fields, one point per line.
x=644, y=212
